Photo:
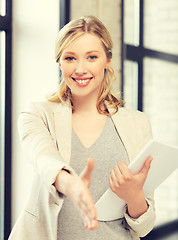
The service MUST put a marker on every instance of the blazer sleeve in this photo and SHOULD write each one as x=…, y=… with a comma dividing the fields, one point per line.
x=141, y=226
x=39, y=143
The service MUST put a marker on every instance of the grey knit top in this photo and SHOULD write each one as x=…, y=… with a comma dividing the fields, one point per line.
x=107, y=151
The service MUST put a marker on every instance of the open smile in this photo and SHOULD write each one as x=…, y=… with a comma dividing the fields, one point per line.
x=82, y=82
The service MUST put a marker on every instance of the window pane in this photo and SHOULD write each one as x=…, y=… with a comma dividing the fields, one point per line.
x=2, y=116
x=131, y=84
x=131, y=22
x=2, y=7
x=161, y=25
x=161, y=105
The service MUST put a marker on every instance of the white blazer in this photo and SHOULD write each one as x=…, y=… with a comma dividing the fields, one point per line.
x=45, y=132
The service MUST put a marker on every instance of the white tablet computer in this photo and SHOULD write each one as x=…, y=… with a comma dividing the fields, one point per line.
x=165, y=160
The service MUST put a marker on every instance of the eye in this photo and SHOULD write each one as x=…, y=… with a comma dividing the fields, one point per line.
x=92, y=57
x=69, y=59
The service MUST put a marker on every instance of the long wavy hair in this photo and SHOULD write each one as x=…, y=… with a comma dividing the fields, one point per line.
x=66, y=35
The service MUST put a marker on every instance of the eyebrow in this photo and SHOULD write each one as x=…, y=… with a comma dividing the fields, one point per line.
x=72, y=53
x=94, y=51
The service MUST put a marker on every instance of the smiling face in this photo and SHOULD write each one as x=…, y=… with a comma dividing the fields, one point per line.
x=83, y=63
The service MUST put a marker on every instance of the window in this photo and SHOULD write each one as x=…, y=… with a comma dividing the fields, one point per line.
x=2, y=8
x=150, y=79
x=64, y=13
x=5, y=117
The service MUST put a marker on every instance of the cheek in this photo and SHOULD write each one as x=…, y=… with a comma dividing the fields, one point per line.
x=99, y=70
x=66, y=70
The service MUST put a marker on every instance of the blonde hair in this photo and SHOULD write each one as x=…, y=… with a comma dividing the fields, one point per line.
x=66, y=35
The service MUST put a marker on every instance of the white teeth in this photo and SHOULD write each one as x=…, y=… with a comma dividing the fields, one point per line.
x=82, y=81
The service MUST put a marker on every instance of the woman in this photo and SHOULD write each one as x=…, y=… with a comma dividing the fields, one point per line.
x=80, y=142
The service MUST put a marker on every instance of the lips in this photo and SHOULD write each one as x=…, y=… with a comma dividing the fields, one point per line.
x=82, y=82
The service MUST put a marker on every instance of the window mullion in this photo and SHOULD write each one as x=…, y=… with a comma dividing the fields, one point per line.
x=140, y=61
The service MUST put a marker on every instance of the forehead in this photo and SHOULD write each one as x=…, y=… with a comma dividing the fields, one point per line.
x=86, y=42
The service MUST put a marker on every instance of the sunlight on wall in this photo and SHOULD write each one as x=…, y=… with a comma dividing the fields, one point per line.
x=35, y=75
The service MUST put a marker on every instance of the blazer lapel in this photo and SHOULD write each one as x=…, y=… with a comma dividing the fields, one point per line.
x=125, y=128
x=63, y=126
x=122, y=121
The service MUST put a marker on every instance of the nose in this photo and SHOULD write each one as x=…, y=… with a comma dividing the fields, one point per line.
x=80, y=67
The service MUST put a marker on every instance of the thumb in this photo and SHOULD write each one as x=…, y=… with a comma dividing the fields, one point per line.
x=86, y=173
x=146, y=166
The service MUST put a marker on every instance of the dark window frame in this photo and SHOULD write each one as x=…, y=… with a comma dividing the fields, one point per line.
x=6, y=25
x=64, y=12
x=137, y=54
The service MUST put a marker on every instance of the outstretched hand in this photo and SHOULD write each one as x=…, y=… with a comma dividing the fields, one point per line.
x=83, y=199
x=77, y=189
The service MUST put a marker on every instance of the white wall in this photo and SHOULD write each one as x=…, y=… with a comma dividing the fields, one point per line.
x=35, y=75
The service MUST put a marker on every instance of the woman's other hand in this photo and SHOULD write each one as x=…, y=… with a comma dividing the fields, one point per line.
x=77, y=189
x=129, y=187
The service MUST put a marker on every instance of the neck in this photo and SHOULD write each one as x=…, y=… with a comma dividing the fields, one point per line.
x=84, y=105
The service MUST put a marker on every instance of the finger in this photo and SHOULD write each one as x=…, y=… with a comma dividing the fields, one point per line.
x=85, y=215
x=111, y=184
x=85, y=220
x=88, y=169
x=88, y=210
x=114, y=175
x=89, y=207
x=91, y=225
x=124, y=170
x=90, y=164
x=94, y=224
x=89, y=217
x=146, y=166
x=87, y=172
x=115, y=178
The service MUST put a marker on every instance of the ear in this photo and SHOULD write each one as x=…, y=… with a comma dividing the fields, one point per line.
x=108, y=63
